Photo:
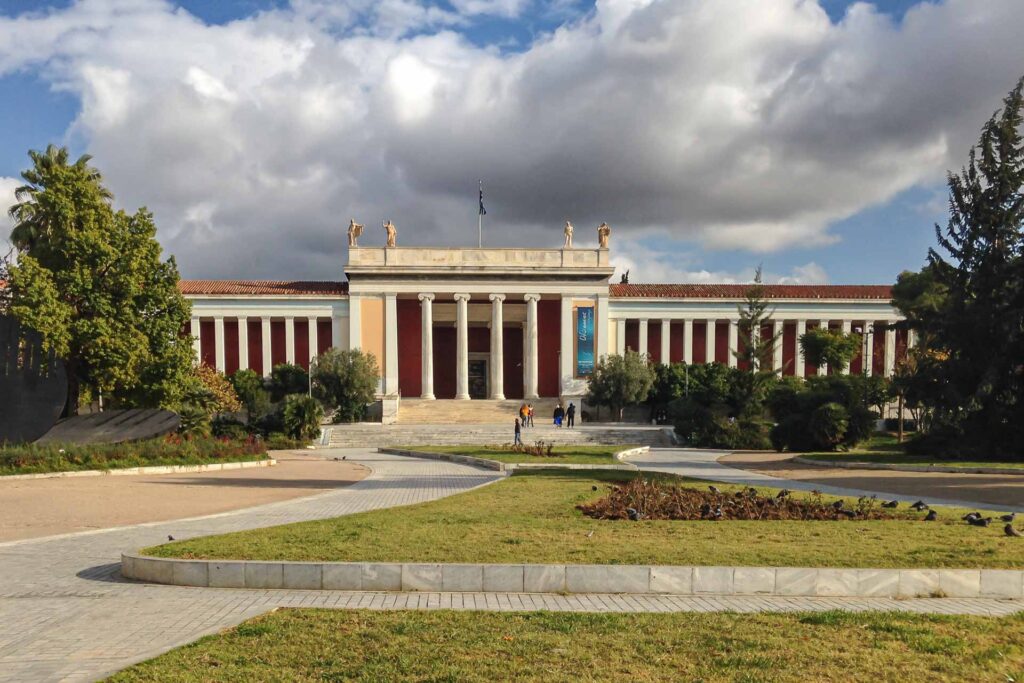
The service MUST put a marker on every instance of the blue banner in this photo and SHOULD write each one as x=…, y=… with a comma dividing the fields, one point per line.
x=584, y=340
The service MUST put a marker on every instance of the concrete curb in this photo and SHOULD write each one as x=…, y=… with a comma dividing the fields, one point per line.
x=152, y=469
x=907, y=468
x=509, y=467
x=563, y=578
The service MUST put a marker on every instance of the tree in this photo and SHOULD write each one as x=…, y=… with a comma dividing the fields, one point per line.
x=618, y=381
x=91, y=281
x=834, y=348
x=301, y=416
x=755, y=349
x=345, y=381
x=670, y=383
x=967, y=306
x=287, y=378
x=249, y=388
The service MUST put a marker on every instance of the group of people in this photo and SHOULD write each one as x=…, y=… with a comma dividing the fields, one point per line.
x=562, y=416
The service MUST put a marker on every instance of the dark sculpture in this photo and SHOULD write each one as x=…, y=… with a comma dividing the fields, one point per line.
x=33, y=384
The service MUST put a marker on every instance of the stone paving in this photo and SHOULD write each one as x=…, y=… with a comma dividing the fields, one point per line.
x=66, y=614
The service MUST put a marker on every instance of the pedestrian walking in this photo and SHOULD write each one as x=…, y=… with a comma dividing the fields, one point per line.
x=559, y=414
x=570, y=415
x=529, y=413
x=524, y=414
x=519, y=435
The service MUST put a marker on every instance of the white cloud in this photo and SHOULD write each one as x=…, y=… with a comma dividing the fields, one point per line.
x=742, y=124
x=7, y=200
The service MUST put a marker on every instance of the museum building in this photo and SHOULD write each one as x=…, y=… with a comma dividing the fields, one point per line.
x=513, y=323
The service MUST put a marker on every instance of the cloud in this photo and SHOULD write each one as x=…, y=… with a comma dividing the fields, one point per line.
x=747, y=125
x=7, y=200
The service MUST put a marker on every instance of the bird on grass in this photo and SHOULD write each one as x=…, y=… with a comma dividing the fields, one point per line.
x=713, y=489
x=169, y=537
x=919, y=506
x=593, y=488
x=1010, y=531
x=891, y=504
x=838, y=505
x=634, y=515
x=931, y=516
x=979, y=521
x=705, y=510
x=784, y=493
x=752, y=491
x=971, y=515
x=717, y=513
x=849, y=513
x=1008, y=518
x=590, y=533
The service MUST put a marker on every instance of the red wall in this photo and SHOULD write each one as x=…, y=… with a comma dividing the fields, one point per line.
x=789, y=349
x=278, y=354
x=901, y=346
x=512, y=350
x=722, y=342
x=324, y=331
x=256, y=345
x=410, y=350
x=632, y=335
x=479, y=340
x=675, y=343
x=700, y=342
x=302, y=342
x=207, y=350
x=231, y=346
x=444, y=361
x=878, y=355
x=654, y=340
x=549, y=326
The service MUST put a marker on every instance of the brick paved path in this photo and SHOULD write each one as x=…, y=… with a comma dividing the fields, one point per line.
x=65, y=614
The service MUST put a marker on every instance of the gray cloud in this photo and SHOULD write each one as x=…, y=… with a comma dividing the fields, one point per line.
x=743, y=124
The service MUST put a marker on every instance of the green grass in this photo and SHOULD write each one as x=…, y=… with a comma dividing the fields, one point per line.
x=583, y=455
x=883, y=448
x=341, y=645
x=531, y=518
x=169, y=450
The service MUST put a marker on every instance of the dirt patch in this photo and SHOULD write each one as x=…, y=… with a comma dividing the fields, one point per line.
x=646, y=499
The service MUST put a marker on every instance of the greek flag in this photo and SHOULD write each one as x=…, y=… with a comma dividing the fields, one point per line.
x=483, y=211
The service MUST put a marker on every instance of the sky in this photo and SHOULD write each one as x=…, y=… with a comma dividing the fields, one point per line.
x=811, y=137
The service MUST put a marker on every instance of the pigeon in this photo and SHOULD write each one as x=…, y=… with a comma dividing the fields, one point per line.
x=919, y=506
x=838, y=505
x=971, y=515
x=343, y=457
x=633, y=514
x=752, y=491
x=931, y=516
x=1010, y=531
x=979, y=521
x=1009, y=517
x=849, y=513
x=713, y=489
x=717, y=512
x=891, y=504
x=593, y=488
x=590, y=533
x=782, y=494
x=169, y=537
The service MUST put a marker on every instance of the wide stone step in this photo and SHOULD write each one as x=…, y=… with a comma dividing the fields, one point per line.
x=374, y=435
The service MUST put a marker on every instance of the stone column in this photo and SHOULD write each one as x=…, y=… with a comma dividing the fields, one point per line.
x=195, y=330
x=823, y=370
x=565, y=355
x=869, y=348
x=666, y=347
x=497, y=348
x=265, y=343
x=620, y=336
x=778, y=330
x=390, y=344
x=642, y=341
x=243, y=343
x=462, y=347
x=688, y=341
x=734, y=342
x=427, y=345
x=890, y=351
x=801, y=329
x=355, y=322
x=847, y=328
x=336, y=330
x=289, y=339
x=313, y=337
x=218, y=343
x=710, y=327
x=601, y=327
x=531, y=345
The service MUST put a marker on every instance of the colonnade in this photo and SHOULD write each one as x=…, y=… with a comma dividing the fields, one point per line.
x=266, y=355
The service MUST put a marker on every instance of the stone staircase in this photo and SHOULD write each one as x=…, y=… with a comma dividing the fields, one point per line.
x=448, y=412
x=372, y=435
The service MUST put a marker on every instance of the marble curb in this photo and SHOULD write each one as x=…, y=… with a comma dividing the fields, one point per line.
x=853, y=465
x=572, y=578
x=512, y=467
x=151, y=469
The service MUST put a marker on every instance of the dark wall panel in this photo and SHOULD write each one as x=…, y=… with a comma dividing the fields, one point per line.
x=789, y=349
x=632, y=335
x=549, y=326
x=410, y=350
x=654, y=340
x=722, y=342
x=256, y=345
x=302, y=342
x=675, y=344
x=700, y=342
x=444, y=361
x=324, y=335
x=231, y=346
x=513, y=356
x=207, y=350
x=278, y=354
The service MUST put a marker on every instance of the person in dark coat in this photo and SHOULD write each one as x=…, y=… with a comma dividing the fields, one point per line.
x=519, y=435
x=570, y=415
x=559, y=414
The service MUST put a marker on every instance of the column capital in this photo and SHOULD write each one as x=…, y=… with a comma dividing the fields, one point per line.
x=496, y=297
x=531, y=297
x=426, y=296
x=462, y=296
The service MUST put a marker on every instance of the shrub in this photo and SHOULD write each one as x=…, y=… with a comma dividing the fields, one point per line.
x=819, y=414
x=254, y=397
x=301, y=416
x=229, y=427
x=827, y=425
x=346, y=381
x=286, y=379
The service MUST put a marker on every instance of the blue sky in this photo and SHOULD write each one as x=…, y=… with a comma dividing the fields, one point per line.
x=888, y=231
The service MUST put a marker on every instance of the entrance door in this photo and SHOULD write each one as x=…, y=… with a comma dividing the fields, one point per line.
x=477, y=378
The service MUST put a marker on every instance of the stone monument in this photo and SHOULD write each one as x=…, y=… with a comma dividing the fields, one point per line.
x=568, y=236
x=354, y=231
x=389, y=228
x=603, y=233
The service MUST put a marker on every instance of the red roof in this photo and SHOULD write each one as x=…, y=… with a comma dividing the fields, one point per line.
x=261, y=287
x=699, y=291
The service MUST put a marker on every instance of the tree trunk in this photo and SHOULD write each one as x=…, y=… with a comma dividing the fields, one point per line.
x=74, y=389
x=899, y=418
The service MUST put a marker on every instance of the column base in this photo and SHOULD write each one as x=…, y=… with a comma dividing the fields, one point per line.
x=427, y=397
x=461, y=397
x=533, y=397
x=498, y=397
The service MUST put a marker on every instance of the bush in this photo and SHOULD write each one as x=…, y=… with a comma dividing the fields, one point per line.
x=301, y=416
x=819, y=414
x=346, y=381
x=700, y=426
x=229, y=427
x=254, y=397
x=286, y=379
x=827, y=425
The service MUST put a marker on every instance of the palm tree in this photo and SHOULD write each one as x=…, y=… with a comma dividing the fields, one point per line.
x=35, y=218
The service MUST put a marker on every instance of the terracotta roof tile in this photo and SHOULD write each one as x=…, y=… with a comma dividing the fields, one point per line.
x=261, y=287
x=703, y=291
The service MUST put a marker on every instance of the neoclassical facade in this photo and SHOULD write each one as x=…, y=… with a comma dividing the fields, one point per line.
x=512, y=323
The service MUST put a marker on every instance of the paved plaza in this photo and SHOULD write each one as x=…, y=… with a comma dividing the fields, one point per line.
x=67, y=615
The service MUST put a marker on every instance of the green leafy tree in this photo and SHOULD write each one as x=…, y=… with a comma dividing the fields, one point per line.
x=249, y=388
x=345, y=381
x=286, y=378
x=91, y=281
x=834, y=348
x=755, y=348
x=670, y=383
x=618, y=381
x=302, y=415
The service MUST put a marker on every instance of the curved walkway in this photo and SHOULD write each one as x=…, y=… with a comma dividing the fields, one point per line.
x=65, y=613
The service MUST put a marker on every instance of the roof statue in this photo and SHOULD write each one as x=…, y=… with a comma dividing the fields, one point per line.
x=624, y=280
x=603, y=233
x=568, y=236
x=354, y=231
x=389, y=228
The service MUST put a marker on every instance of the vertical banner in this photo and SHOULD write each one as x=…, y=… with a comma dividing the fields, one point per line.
x=584, y=341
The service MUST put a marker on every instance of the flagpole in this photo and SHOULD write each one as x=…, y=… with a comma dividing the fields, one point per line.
x=480, y=220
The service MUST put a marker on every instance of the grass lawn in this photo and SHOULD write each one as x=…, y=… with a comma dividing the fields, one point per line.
x=532, y=518
x=336, y=645
x=883, y=448
x=584, y=455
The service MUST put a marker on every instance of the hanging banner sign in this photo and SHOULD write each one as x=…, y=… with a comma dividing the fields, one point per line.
x=584, y=340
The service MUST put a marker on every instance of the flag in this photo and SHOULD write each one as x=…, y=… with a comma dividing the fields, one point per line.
x=483, y=211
